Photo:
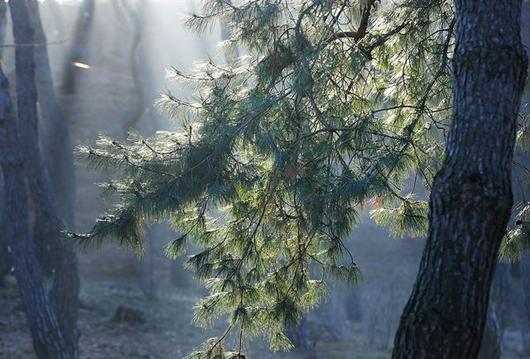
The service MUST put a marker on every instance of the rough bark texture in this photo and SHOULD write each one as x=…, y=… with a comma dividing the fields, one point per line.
x=55, y=125
x=65, y=287
x=47, y=337
x=471, y=196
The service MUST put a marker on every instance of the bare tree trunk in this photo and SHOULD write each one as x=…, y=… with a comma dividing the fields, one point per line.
x=65, y=288
x=525, y=278
x=148, y=282
x=299, y=336
x=177, y=275
x=3, y=25
x=471, y=197
x=48, y=340
x=55, y=125
x=5, y=261
x=131, y=17
x=79, y=49
x=5, y=264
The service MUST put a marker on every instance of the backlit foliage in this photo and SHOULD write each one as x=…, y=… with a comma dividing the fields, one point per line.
x=334, y=107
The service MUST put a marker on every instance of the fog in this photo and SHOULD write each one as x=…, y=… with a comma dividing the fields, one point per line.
x=117, y=53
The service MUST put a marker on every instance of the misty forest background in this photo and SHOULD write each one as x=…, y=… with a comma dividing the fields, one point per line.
x=108, y=61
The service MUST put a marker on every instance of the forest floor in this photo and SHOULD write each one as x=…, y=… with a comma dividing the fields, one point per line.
x=164, y=331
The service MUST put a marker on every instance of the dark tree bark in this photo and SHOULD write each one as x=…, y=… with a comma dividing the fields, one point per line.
x=55, y=125
x=471, y=197
x=65, y=287
x=48, y=340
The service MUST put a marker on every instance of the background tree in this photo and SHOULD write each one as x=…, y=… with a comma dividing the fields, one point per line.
x=48, y=339
x=79, y=49
x=62, y=303
x=5, y=264
x=59, y=154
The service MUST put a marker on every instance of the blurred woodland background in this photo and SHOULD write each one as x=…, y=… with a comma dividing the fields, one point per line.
x=108, y=61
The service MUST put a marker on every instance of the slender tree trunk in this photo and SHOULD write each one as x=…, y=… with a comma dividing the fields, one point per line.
x=133, y=21
x=79, y=49
x=3, y=25
x=130, y=15
x=5, y=264
x=299, y=336
x=471, y=198
x=525, y=278
x=48, y=340
x=148, y=280
x=177, y=275
x=65, y=288
x=55, y=125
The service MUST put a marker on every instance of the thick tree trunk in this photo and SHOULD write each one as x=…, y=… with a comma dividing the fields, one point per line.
x=471, y=196
x=65, y=288
x=48, y=340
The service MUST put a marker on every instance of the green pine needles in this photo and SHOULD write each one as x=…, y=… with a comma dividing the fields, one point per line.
x=336, y=106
